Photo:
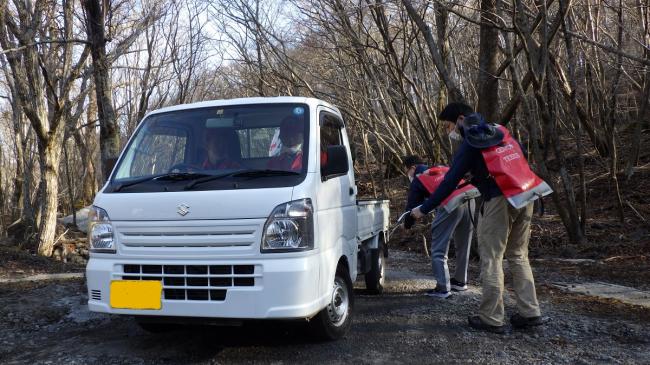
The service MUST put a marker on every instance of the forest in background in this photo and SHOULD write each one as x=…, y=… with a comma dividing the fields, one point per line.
x=568, y=77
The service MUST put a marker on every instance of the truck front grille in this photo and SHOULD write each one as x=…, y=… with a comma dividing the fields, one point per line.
x=192, y=236
x=193, y=282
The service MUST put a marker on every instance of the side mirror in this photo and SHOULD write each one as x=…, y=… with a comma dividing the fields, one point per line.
x=336, y=162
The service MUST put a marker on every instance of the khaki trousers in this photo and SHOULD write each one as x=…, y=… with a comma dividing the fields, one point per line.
x=504, y=230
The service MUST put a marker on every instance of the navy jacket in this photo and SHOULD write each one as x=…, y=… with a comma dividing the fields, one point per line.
x=417, y=194
x=467, y=159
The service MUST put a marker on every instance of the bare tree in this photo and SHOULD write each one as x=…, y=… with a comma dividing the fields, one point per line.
x=95, y=11
x=44, y=76
x=488, y=83
x=565, y=75
x=451, y=85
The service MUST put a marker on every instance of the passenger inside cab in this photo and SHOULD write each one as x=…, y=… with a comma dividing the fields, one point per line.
x=291, y=136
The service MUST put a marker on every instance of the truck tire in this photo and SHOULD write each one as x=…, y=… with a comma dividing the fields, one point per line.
x=375, y=277
x=334, y=321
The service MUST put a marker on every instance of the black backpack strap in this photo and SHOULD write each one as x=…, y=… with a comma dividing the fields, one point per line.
x=541, y=206
x=472, y=217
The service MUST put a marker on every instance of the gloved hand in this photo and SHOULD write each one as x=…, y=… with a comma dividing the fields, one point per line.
x=417, y=213
x=409, y=222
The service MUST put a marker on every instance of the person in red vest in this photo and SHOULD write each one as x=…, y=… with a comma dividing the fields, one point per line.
x=508, y=187
x=290, y=156
x=453, y=219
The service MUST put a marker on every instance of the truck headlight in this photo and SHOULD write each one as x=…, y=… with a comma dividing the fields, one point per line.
x=100, y=231
x=290, y=227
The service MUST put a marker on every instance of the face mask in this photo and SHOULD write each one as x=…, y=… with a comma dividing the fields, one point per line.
x=455, y=135
x=410, y=173
x=292, y=150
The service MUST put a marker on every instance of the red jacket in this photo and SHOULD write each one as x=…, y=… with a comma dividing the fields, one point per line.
x=286, y=161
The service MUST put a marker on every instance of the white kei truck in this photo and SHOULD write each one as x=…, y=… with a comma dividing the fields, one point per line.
x=202, y=219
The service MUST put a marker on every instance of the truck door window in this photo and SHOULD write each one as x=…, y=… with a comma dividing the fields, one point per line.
x=330, y=135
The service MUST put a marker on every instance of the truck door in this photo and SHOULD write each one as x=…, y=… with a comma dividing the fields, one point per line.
x=337, y=195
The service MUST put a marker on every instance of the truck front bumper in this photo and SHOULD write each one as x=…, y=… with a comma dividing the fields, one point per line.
x=270, y=288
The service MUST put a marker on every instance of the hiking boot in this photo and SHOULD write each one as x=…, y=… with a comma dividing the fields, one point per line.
x=437, y=293
x=519, y=321
x=477, y=323
x=457, y=285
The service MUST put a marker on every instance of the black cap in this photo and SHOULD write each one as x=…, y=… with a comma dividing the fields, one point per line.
x=453, y=110
x=411, y=160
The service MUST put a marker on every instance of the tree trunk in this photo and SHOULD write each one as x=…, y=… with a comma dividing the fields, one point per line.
x=366, y=157
x=2, y=196
x=488, y=83
x=642, y=117
x=610, y=128
x=20, y=201
x=454, y=91
x=442, y=17
x=90, y=142
x=20, y=209
x=573, y=223
x=49, y=156
x=568, y=218
x=109, y=137
x=69, y=180
x=573, y=105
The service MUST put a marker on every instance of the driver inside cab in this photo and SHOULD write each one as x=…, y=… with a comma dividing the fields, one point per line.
x=220, y=149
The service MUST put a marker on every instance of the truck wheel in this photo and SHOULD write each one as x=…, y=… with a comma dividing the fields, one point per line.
x=375, y=277
x=334, y=321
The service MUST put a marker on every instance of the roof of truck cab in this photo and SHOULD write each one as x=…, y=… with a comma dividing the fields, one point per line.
x=242, y=101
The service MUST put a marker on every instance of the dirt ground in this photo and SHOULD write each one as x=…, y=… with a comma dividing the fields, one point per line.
x=47, y=322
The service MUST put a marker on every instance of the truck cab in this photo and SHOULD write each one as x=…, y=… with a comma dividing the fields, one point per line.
x=236, y=209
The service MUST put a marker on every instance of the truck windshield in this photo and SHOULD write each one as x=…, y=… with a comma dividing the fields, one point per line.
x=171, y=149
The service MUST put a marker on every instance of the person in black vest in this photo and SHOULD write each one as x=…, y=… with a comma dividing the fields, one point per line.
x=456, y=222
x=504, y=222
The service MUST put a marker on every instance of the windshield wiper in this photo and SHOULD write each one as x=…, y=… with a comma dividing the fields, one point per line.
x=166, y=176
x=262, y=173
x=208, y=178
x=241, y=173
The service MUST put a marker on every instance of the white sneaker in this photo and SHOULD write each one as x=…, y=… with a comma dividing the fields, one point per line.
x=457, y=285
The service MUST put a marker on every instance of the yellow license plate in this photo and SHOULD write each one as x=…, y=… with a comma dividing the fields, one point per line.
x=136, y=294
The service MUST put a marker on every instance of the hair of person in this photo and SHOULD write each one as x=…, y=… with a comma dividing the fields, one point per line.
x=411, y=160
x=453, y=110
x=213, y=134
x=291, y=124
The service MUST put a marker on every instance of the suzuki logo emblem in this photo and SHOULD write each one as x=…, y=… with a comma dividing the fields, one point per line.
x=183, y=209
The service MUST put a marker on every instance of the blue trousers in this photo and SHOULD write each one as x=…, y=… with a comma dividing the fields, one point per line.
x=458, y=225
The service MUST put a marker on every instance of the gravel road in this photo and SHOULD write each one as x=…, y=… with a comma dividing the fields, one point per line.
x=48, y=323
